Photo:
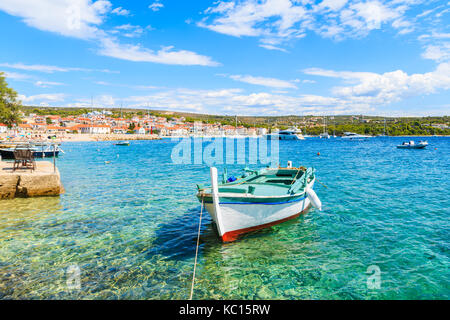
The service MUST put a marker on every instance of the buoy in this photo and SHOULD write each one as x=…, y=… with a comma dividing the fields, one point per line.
x=315, y=201
x=318, y=153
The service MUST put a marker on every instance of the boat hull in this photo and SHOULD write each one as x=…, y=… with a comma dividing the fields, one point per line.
x=285, y=136
x=412, y=147
x=238, y=218
x=356, y=138
x=290, y=137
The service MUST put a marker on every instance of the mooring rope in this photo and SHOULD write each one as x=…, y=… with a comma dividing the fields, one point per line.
x=295, y=178
x=196, y=250
x=321, y=183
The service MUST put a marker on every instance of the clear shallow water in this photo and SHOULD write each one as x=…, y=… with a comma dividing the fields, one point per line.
x=131, y=228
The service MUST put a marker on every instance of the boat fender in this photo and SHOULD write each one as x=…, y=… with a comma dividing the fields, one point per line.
x=315, y=201
x=231, y=179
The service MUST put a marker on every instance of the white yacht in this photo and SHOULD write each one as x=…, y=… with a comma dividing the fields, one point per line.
x=289, y=134
x=324, y=134
x=354, y=136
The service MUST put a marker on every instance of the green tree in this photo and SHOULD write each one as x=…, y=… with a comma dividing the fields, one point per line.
x=9, y=106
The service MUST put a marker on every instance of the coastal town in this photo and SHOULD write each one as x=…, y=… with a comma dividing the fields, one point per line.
x=98, y=125
x=101, y=125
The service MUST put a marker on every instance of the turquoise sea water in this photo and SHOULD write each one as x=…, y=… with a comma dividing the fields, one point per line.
x=130, y=226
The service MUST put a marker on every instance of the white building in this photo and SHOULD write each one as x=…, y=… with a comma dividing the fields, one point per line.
x=262, y=131
x=95, y=129
x=140, y=130
x=3, y=128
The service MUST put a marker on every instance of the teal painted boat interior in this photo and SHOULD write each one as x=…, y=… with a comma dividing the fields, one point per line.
x=130, y=225
x=266, y=182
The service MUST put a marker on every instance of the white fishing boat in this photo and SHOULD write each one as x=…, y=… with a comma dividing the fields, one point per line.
x=259, y=199
x=354, y=136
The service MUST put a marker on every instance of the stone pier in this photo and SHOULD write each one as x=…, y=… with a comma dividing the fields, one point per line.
x=23, y=183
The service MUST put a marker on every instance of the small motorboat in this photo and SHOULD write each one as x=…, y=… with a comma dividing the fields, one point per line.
x=122, y=143
x=413, y=145
x=258, y=199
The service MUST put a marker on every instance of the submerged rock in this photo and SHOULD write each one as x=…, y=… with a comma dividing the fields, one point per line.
x=265, y=293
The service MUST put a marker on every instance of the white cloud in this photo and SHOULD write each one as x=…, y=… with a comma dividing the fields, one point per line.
x=271, y=47
x=355, y=100
x=347, y=75
x=35, y=67
x=136, y=87
x=46, y=97
x=282, y=20
x=105, y=100
x=223, y=101
x=250, y=18
x=262, y=81
x=437, y=46
x=46, y=84
x=156, y=6
x=388, y=87
x=166, y=55
x=440, y=14
x=434, y=35
x=129, y=30
x=15, y=75
x=77, y=19
x=121, y=11
x=374, y=13
x=438, y=52
x=82, y=19
x=333, y=5
x=49, y=68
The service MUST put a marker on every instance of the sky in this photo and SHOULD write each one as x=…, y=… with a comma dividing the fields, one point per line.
x=246, y=57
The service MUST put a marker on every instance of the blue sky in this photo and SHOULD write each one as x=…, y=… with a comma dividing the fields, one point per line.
x=247, y=57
